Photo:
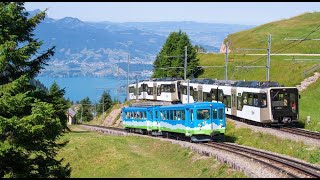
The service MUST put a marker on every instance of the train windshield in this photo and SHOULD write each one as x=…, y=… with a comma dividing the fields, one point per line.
x=284, y=99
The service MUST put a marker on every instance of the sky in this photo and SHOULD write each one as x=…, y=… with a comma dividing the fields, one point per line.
x=249, y=13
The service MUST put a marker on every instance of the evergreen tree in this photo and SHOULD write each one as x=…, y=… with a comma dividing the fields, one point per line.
x=86, y=110
x=175, y=46
x=105, y=101
x=29, y=125
x=60, y=104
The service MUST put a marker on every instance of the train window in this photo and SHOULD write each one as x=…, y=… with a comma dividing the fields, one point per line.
x=156, y=114
x=127, y=115
x=151, y=115
x=191, y=91
x=161, y=115
x=239, y=103
x=173, y=88
x=250, y=99
x=195, y=95
x=184, y=90
x=220, y=95
x=182, y=115
x=203, y=114
x=191, y=114
x=162, y=88
x=159, y=91
x=165, y=116
x=178, y=115
x=262, y=100
x=140, y=90
x=228, y=101
x=170, y=115
x=293, y=103
x=144, y=115
x=214, y=114
x=245, y=98
x=225, y=102
x=150, y=90
x=205, y=96
x=131, y=89
x=220, y=114
x=213, y=94
x=255, y=100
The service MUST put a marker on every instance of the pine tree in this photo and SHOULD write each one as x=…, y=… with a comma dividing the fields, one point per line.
x=86, y=110
x=175, y=46
x=56, y=97
x=29, y=125
x=105, y=101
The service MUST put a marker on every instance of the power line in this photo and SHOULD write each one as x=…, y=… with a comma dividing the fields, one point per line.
x=285, y=47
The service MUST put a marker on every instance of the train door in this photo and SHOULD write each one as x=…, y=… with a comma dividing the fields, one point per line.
x=189, y=121
x=200, y=97
x=233, y=101
x=155, y=91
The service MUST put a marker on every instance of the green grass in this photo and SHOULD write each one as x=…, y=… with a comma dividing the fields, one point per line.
x=309, y=106
x=247, y=137
x=92, y=154
x=285, y=72
x=296, y=27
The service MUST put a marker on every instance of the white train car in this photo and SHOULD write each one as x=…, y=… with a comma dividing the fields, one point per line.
x=265, y=104
x=167, y=90
x=261, y=102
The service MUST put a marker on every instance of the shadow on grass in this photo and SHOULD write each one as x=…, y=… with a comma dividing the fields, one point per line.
x=230, y=139
x=79, y=132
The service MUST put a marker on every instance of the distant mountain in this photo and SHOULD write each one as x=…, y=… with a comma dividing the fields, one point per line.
x=99, y=48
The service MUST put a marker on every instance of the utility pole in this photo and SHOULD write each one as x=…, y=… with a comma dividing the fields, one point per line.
x=128, y=78
x=102, y=106
x=81, y=113
x=95, y=110
x=268, y=58
x=185, y=62
x=268, y=61
x=118, y=85
x=226, y=65
x=137, y=90
x=188, y=90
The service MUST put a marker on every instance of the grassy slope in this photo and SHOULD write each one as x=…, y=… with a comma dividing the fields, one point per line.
x=288, y=73
x=91, y=154
x=295, y=27
x=309, y=106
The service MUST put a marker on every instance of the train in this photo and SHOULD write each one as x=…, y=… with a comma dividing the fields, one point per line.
x=197, y=122
x=260, y=102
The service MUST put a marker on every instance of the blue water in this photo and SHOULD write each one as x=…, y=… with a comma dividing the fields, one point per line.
x=77, y=88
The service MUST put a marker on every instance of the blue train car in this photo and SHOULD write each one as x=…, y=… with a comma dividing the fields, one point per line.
x=203, y=121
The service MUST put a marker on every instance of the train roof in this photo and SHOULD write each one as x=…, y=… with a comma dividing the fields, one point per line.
x=233, y=83
x=194, y=105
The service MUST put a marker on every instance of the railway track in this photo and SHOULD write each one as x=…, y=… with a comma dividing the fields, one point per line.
x=291, y=167
x=301, y=132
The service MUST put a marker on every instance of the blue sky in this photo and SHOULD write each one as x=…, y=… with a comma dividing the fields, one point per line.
x=251, y=13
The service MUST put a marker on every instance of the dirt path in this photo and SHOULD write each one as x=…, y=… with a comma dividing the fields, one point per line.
x=305, y=83
x=111, y=118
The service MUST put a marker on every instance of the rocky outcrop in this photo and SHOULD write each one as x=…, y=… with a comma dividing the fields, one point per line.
x=223, y=48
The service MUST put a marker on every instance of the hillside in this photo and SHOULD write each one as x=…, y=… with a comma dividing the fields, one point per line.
x=288, y=70
x=295, y=27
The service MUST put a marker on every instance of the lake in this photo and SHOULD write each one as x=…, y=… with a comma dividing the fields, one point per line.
x=77, y=88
